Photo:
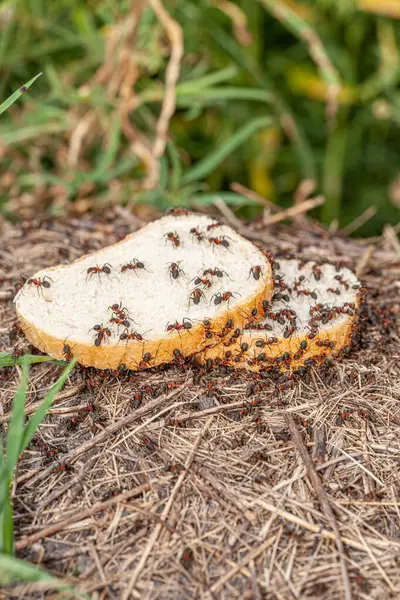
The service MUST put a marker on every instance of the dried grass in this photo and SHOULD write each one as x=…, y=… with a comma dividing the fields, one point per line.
x=225, y=504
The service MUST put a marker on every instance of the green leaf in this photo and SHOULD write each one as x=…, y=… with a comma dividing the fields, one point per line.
x=14, y=570
x=16, y=425
x=228, y=197
x=11, y=99
x=41, y=412
x=7, y=359
x=208, y=164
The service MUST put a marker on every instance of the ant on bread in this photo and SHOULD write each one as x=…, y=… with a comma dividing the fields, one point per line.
x=101, y=334
x=39, y=283
x=199, y=235
x=256, y=271
x=177, y=212
x=222, y=240
x=133, y=265
x=224, y=297
x=196, y=296
x=175, y=271
x=172, y=237
x=106, y=268
x=186, y=325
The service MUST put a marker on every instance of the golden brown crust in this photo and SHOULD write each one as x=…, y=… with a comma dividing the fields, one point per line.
x=132, y=354
x=337, y=333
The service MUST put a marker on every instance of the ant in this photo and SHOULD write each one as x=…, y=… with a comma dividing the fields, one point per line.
x=334, y=291
x=219, y=241
x=16, y=353
x=243, y=349
x=195, y=296
x=207, y=329
x=133, y=335
x=106, y=268
x=67, y=353
x=133, y=265
x=199, y=235
x=172, y=237
x=186, y=324
x=214, y=225
x=175, y=271
x=206, y=282
x=146, y=360
x=224, y=297
x=39, y=283
x=177, y=212
x=256, y=272
x=215, y=272
x=101, y=334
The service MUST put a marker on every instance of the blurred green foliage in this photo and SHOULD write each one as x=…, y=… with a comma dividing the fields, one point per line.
x=271, y=92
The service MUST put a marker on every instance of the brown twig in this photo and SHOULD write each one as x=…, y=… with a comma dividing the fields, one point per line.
x=156, y=532
x=80, y=515
x=360, y=220
x=323, y=498
x=241, y=189
x=364, y=260
x=174, y=33
x=294, y=211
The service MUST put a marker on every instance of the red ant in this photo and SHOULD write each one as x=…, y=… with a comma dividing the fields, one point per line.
x=106, y=268
x=219, y=241
x=316, y=272
x=16, y=353
x=177, y=212
x=39, y=283
x=173, y=238
x=133, y=265
x=67, y=353
x=133, y=335
x=224, y=297
x=146, y=359
x=101, y=334
x=256, y=272
x=334, y=291
x=206, y=282
x=197, y=234
x=175, y=271
x=195, y=296
x=215, y=272
x=214, y=225
x=186, y=324
x=207, y=329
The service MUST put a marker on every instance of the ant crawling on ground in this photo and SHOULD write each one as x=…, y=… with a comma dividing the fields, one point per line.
x=39, y=283
x=106, y=268
x=172, y=237
x=101, y=334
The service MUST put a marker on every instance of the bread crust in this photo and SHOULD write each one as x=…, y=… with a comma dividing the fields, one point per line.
x=337, y=333
x=132, y=354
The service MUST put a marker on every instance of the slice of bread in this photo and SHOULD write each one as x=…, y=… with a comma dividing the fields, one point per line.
x=160, y=294
x=314, y=309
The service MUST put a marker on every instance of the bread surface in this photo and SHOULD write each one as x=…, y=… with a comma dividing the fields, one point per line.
x=174, y=281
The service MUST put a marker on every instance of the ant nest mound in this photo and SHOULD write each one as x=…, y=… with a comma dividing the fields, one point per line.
x=313, y=316
x=152, y=298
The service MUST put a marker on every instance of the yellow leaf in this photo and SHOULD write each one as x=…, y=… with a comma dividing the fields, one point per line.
x=305, y=82
x=388, y=8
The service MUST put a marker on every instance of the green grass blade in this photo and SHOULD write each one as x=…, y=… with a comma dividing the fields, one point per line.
x=11, y=99
x=205, y=166
x=15, y=570
x=41, y=412
x=228, y=197
x=7, y=539
x=16, y=425
x=7, y=360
